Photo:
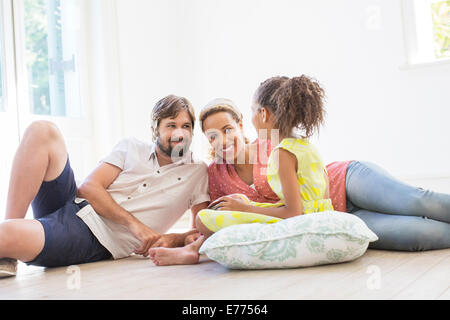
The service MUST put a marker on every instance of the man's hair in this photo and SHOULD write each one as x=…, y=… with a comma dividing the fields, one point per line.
x=170, y=107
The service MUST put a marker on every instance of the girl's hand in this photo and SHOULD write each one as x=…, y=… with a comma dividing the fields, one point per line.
x=234, y=202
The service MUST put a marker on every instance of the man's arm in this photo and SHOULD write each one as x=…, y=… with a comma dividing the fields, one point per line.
x=94, y=189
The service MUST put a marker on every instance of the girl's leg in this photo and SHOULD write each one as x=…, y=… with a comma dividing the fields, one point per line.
x=21, y=239
x=406, y=233
x=41, y=156
x=372, y=188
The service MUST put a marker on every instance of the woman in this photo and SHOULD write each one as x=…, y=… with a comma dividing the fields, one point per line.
x=404, y=217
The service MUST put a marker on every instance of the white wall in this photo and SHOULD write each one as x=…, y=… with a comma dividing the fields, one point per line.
x=148, y=51
x=204, y=49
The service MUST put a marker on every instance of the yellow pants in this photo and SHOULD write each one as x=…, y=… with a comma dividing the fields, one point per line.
x=215, y=220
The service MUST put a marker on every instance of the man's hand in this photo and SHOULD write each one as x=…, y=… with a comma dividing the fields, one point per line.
x=146, y=235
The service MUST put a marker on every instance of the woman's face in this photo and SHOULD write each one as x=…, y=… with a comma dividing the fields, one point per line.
x=225, y=135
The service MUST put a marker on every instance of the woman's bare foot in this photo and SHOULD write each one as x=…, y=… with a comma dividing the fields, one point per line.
x=192, y=238
x=171, y=256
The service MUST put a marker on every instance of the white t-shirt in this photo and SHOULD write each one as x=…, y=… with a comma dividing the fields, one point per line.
x=157, y=196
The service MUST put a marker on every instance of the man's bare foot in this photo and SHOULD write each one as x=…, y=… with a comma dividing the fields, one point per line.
x=171, y=256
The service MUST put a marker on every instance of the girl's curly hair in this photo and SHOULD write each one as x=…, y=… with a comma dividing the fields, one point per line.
x=297, y=103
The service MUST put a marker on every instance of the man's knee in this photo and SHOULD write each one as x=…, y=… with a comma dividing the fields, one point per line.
x=43, y=131
x=8, y=235
x=21, y=239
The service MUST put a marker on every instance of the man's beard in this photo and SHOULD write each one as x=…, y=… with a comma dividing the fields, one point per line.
x=175, y=152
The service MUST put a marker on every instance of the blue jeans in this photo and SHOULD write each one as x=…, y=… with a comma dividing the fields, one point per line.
x=403, y=217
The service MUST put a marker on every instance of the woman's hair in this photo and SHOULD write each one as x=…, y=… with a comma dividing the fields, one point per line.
x=216, y=106
x=219, y=105
x=297, y=103
x=170, y=107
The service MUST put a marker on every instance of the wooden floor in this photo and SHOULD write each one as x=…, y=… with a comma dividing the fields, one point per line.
x=376, y=275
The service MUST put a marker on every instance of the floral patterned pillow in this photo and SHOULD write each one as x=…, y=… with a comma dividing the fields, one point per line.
x=307, y=240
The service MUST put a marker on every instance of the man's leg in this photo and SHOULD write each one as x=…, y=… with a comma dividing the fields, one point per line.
x=41, y=156
x=21, y=239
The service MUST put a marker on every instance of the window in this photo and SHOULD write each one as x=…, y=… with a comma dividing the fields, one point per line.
x=2, y=62
x=440, y=11
x=50, y=33
x=427, y=30
x=39, y=78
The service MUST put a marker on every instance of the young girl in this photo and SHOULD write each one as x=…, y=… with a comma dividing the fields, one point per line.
x=295, y=171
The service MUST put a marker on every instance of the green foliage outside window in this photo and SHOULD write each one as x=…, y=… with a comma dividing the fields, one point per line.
x=37, y=54
x=441, y=28
x=42, y=19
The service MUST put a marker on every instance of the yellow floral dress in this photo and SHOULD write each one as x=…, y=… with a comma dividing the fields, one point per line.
x=311, y=175
x=311, y=178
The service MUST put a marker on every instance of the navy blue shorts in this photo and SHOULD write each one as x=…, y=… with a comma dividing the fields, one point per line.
x=68, y=240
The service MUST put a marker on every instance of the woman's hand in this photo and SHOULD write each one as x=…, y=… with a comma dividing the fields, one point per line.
x=191, y=238
x=234, y=202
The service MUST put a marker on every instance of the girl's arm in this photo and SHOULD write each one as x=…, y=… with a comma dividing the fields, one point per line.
x=287, y=171
x=327, y=192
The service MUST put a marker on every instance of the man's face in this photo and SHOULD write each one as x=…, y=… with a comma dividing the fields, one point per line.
x=174, y=135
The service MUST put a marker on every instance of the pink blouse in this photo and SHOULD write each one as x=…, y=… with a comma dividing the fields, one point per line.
x=336, y=177
x=224, y=180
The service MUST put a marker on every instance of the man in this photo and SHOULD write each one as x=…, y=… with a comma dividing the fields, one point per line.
x=125, y=205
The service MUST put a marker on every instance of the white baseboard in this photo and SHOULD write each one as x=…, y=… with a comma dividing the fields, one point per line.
x=435, y=183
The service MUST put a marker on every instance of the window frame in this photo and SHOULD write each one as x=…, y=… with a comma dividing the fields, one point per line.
x=8, y=57
x=22, y=72
x=81, y=135
x=100, y=124
x=2, y=62
x=418, y=43
x=79, y=124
